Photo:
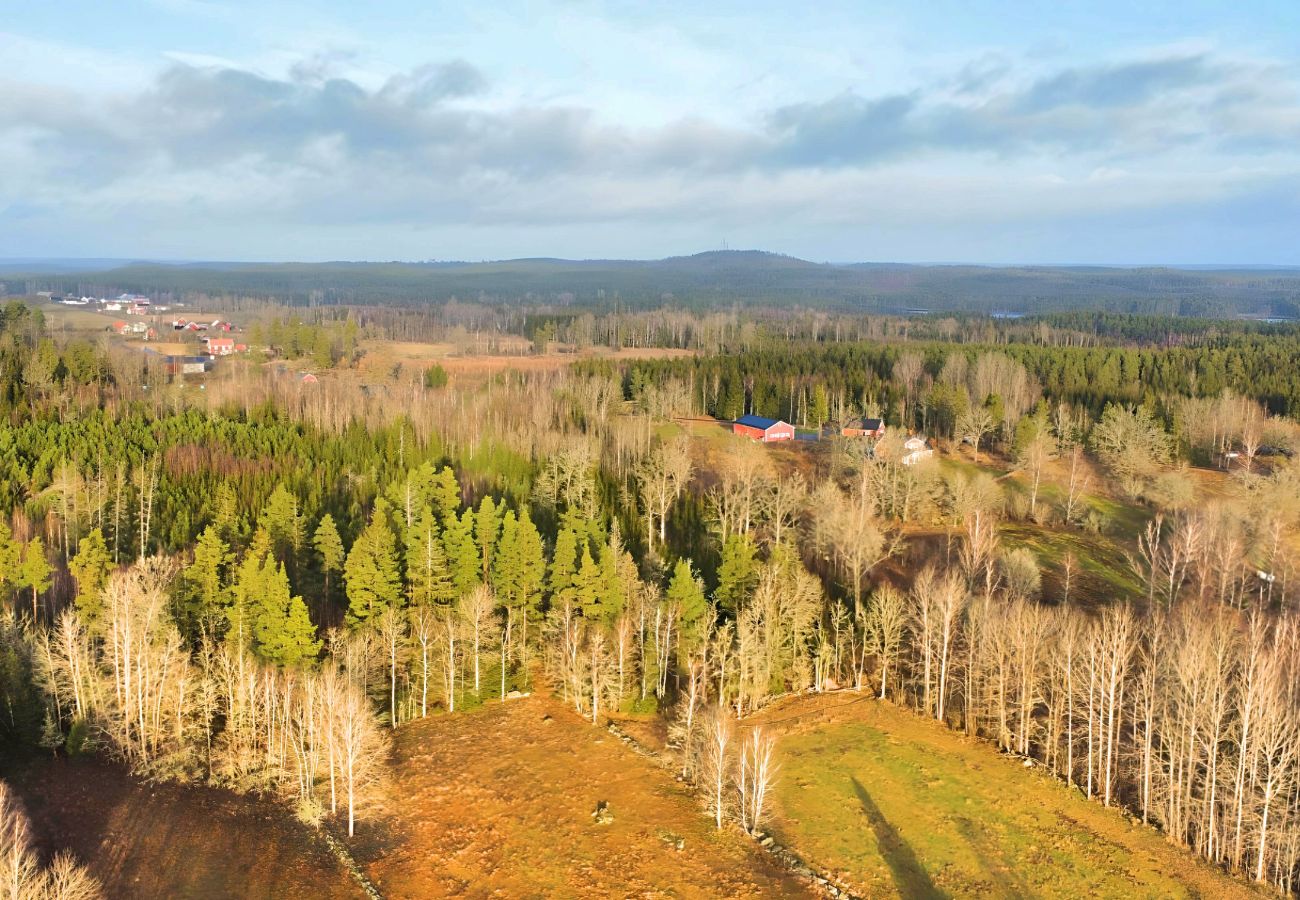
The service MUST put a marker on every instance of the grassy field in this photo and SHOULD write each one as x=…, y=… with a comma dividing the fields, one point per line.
x=498, y=802
x=900, y=806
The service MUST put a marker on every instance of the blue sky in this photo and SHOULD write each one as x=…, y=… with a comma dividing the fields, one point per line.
x=1133, y=132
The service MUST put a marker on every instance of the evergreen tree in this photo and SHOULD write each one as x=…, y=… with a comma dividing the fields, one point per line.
x=371, y=569
x=445, y=494
x=738, y=573
x=532, y=566
x=462, y=551
x=34, y=571
x=204, y=589
x=10, y=557
x=487, y=528
x=225, y=516
x=687, y=591
x=281, y=628
x=329, y=547
x=282, y=523
x=90, y=568
x=506, y=565
x=589, y=584
x=564, y=566
x=248, y=587
x=427, y=573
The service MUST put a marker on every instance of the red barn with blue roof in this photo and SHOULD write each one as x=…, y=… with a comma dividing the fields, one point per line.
x=761, y=429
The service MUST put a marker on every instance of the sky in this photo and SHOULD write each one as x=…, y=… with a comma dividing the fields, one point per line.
x=988, y=131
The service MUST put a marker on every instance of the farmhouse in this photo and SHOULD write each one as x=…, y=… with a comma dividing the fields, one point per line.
x=221, y=346
x=870, y=428
x=761, y=429
x=915, y=449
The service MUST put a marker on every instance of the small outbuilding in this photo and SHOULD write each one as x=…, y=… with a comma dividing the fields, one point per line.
x=759, y=428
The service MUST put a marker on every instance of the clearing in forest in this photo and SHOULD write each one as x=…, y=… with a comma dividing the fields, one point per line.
x=499, y=802
x=894, y=804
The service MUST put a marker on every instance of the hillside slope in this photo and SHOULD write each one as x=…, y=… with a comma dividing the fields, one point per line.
x=899, y=805
x=498, y=802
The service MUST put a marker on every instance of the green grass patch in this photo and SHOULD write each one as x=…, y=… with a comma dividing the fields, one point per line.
x=921, y=812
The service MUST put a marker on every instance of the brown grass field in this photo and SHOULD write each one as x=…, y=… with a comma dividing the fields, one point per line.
x=498, y=803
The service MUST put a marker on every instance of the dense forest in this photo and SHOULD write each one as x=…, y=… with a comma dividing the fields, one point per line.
x=255, y=584
x=705, y=281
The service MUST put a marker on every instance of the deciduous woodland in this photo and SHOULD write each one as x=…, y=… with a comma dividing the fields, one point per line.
x=253, y=585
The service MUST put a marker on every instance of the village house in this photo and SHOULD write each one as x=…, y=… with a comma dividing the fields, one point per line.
x=759, y=428
x=221, y=346
x=916, y=449
x=868, y=428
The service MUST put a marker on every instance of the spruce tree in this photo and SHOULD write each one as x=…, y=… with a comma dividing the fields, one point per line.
x=738, y=572
x=427, y=574
x=589, y=584
x=204, y=593
x=462, y=551
x=564, y=566
x=282, y=523
x=686, y=590
x=532, y=566
x=329, y=547
x=505, y=569
x=281, y=628
x=371, y=569
x=487, y=529
x=445, y=494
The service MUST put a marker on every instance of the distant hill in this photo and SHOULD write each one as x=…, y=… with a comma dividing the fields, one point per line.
x=716, y=279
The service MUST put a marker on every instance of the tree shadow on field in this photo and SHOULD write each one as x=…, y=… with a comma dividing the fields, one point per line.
x=909, y=875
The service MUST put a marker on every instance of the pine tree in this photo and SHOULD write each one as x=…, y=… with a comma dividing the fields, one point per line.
x=90, y=568
x=371, y=569
x=329, y=547
x=427, y=573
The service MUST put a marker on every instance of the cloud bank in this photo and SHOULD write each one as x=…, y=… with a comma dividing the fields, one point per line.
x=217, y=148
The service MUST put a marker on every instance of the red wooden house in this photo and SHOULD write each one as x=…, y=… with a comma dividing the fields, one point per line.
x=871, y=428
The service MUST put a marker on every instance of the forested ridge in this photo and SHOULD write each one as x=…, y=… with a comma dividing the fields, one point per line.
x=252, y=585
x=704, y=281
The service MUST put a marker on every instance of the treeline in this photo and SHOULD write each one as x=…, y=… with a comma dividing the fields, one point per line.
x=709, y=281
x=911, y=384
